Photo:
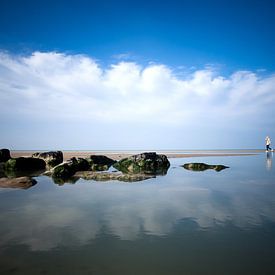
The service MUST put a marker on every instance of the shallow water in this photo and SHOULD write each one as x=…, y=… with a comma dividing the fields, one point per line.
x=183, y=223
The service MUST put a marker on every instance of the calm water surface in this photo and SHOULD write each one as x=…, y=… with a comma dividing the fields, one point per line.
x=182, y=223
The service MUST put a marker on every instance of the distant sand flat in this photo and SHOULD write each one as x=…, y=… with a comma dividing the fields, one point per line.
x=119, y=155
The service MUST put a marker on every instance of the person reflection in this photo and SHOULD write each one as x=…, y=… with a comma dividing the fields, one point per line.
x=269, y=156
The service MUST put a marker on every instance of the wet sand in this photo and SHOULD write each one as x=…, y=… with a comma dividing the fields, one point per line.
x=120, y=155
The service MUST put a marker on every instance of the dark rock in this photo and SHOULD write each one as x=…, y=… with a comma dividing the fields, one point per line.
x=51, y=158
x=81, y=164
x=103, y=160
x=196, y=166
x=24, y=164
x=100, y=163
x=107, y=176
x=2, y=171
x=22, y=182
x=148, y=163
x=4, y=155
x=65, y=170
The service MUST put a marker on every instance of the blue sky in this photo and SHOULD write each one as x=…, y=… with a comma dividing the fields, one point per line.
x=136, y=74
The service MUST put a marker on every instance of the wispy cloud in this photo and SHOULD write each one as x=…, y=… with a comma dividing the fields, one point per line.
x=60, y=87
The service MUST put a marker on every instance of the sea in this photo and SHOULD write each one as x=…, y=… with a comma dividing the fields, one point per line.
x=183, y=222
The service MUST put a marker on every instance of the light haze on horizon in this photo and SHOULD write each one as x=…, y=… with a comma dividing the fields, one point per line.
x=113, y=75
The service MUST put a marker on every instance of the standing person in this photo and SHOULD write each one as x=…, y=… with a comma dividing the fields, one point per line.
x=268, y=143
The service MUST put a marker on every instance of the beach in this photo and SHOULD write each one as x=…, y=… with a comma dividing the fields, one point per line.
x=117, y=155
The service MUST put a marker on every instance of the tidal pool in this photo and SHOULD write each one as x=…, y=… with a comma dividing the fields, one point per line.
x=185, y=222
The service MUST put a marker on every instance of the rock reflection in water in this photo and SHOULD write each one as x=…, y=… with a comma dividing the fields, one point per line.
x=202, y=167
x=165, y=224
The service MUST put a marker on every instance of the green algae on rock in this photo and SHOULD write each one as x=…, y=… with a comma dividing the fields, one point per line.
x=107, y=176
x=51, y=158
x=24, y=164
x=100, y=162
x=148, y=163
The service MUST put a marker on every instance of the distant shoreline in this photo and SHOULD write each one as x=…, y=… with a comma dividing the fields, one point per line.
x=117, y=155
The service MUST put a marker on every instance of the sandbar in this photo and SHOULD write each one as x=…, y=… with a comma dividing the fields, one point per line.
x=120, y=155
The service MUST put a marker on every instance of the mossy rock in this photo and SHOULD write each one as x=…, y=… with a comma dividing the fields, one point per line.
x=81, y=164
x=24, y=164
x=69, y=168
x=99, y=167
x=51, y=158
x=149, y=163
x=63, y=171
x=100, y=162
x=108, y=176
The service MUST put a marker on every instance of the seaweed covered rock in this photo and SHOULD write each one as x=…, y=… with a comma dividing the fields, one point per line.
x=197, y=166
x=148, y=163
x=21, y=182
x=107, y=176
x=100, y=162
x=51, y=158
x=24, y=164
x=4, y=155
x=65, y=170
x=81, y=164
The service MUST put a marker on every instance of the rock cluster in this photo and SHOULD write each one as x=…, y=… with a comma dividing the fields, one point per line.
x=148, y=163
x=67, y=169
x=51, y=158
x=12, y=166
x=25, y=164
x=135, y=168
x=100, y=163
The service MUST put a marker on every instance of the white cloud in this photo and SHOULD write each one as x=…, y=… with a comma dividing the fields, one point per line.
x=60, y=87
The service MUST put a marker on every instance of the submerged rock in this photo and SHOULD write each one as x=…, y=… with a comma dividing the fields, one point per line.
x=100, y=162
x=107, y=176
x=22, y=182
x=196, y=166
x=4, y=155
x=51, y=158
x=24, y=164
x=148, y=163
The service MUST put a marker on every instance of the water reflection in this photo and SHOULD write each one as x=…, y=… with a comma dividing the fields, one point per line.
x=269, y=156
x=165, y=223
x=50, y=216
